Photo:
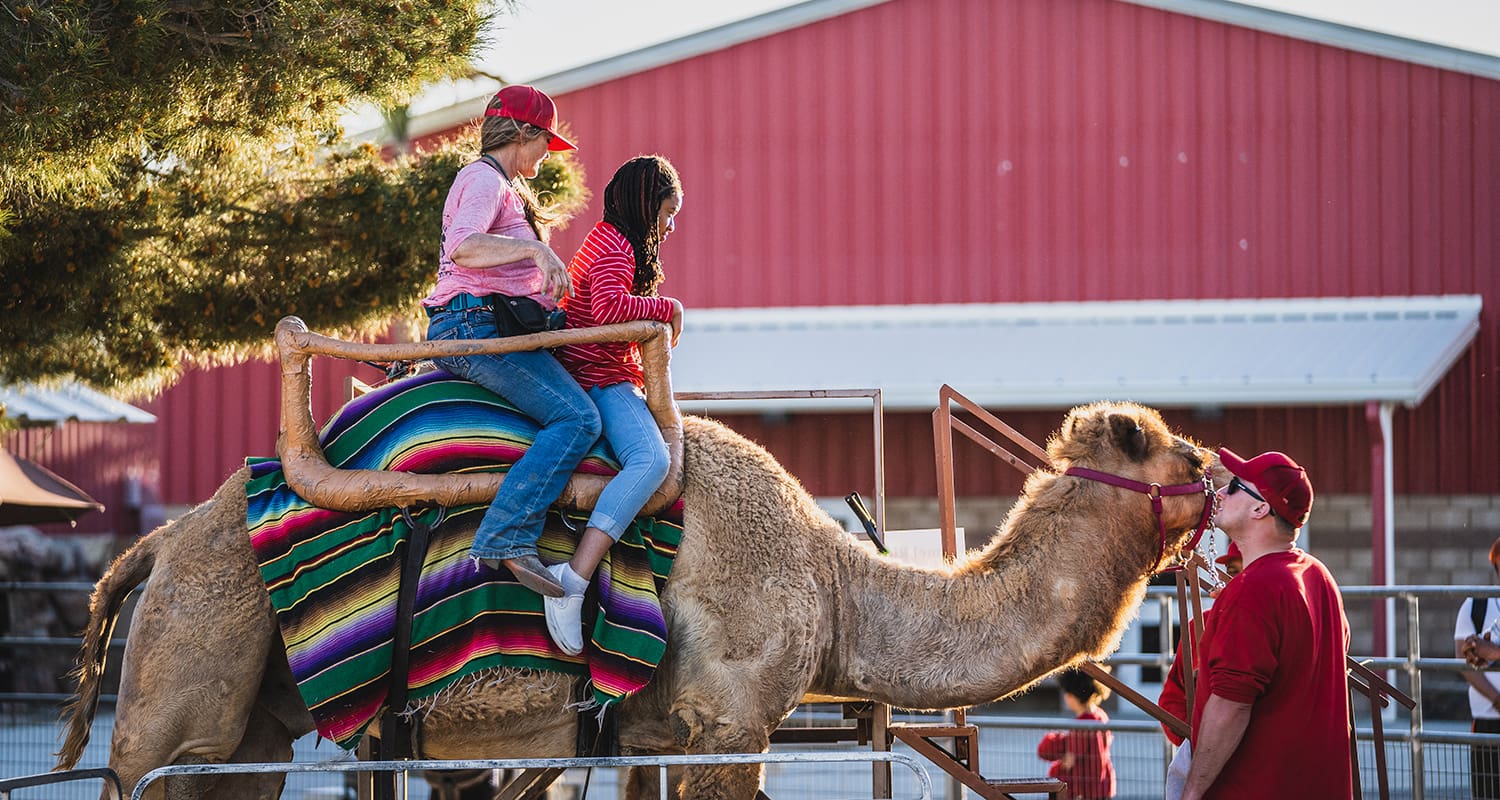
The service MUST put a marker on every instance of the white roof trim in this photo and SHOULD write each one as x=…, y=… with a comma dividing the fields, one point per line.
x=1300, y=352
x=696, y=44
x=1360, y=40
x=30, y=404
x=647, y=58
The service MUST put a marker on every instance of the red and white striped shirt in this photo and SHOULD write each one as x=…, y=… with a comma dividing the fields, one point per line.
x=603, y=273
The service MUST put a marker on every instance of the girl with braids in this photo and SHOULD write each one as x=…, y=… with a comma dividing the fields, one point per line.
x=494, y=243
x=615, y=277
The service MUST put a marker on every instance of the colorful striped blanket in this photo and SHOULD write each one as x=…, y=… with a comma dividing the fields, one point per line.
x=333, y=576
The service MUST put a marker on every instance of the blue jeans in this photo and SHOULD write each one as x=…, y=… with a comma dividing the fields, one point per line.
x=534, y=382
x=636, y=439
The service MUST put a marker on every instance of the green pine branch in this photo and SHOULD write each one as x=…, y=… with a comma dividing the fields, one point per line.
x=171, y=179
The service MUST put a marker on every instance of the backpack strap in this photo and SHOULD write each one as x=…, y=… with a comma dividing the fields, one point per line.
x=1477, y=608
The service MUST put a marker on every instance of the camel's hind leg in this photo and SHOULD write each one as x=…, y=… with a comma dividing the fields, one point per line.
x=265, y=740
x=278, y=719
x=197, y=649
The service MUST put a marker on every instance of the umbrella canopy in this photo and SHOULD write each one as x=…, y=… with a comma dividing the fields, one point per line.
x=31, y=494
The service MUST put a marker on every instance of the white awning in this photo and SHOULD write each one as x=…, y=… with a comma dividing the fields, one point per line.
x=30, y=404
x=1284, y=352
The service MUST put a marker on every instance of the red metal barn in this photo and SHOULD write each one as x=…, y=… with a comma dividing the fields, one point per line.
x=1165, y=201
x=968, y=151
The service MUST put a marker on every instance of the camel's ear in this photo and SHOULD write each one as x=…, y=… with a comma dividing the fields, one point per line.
x=1129, y=436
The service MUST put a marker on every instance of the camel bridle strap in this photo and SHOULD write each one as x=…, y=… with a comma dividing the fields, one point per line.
x=1155, y=492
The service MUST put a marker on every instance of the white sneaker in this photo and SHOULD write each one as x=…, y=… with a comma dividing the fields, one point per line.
x=564, y=617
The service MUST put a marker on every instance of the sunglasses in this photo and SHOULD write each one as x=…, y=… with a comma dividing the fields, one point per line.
x=1235, y=484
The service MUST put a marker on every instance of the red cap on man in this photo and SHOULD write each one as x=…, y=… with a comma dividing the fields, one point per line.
x=532, y=105
x=1232, y=554
x=1278, y=478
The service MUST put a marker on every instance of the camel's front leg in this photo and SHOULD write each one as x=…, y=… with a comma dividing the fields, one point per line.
x=644, y=783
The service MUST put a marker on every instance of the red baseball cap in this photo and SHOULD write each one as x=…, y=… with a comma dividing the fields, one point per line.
x=1229, y=555
x=1278, y=478
x=529, y=104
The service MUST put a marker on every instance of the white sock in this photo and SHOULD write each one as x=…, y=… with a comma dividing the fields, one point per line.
x=572, y=583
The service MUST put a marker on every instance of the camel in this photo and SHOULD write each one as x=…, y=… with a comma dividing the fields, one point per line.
x=770, y=601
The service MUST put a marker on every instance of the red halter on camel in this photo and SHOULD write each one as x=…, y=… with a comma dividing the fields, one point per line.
x=944, y=423
x=1156, y=492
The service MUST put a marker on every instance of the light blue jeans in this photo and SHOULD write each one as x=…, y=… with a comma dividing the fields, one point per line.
x=534, y=382
x=634, y=436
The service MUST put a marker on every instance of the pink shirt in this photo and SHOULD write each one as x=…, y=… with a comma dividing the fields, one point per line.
x=480, y=201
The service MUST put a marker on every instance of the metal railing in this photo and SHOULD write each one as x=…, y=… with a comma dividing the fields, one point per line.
x=1412, y=665
x=662, y=763
x=111, y=781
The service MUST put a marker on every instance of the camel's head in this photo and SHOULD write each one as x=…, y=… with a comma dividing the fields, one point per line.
x=1131, y=441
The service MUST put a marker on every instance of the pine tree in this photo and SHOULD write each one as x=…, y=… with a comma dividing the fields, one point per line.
x=173, y=179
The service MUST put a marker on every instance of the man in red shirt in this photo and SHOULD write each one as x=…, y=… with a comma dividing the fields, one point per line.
x=1173, y=691
x=1271, y=708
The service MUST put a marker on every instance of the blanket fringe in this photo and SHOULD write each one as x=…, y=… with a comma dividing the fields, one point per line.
x=480, y=681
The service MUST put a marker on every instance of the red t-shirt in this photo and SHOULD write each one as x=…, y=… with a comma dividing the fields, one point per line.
x=1092, y=775
x=603, y=273
x=1174, y=690
x=1277, y=640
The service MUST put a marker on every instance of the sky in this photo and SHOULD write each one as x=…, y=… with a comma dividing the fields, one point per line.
x=526, y=42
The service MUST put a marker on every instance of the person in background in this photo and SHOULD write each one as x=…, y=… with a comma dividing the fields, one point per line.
x=1080, y=758
x=1271, y=705
x=1473, y=634
x=494, y=258
x=615, y=275
x=1173, y=690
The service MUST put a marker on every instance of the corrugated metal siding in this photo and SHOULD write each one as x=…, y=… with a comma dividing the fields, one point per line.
x=961, y=150
x=1037, y=150
x=102, y=459
x=1059, y=150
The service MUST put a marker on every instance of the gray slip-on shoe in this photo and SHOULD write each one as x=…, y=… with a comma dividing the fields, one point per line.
x=532, y=574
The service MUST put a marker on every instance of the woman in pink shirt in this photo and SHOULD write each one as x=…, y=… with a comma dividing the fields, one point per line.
x=494, y=251
x=615, y=276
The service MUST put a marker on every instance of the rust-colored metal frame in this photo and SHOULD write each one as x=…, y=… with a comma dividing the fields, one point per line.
x=310, y=475
x=1361, y=679
x=877, y=417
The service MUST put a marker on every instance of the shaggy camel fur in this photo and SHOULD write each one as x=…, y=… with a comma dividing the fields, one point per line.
x=770, y=600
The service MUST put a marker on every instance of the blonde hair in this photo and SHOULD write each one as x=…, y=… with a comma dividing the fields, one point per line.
x=498, y=132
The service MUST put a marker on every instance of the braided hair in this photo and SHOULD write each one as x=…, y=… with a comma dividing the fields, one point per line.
x=632, y=201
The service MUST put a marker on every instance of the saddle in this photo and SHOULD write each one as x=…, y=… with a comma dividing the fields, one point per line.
x=334, y=576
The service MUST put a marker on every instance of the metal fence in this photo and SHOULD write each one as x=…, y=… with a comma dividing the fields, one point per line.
x=1436, y=750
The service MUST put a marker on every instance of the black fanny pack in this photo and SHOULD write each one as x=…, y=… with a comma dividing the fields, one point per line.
x=518, y=316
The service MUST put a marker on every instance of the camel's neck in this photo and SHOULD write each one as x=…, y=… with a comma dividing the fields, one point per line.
x=1040, y=596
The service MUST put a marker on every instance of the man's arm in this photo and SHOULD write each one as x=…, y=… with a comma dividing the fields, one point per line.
x=1477, y=679
x=1219, y=733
